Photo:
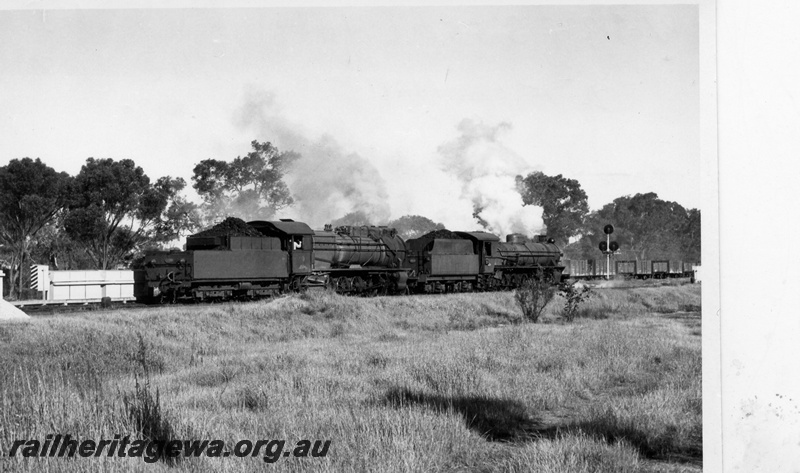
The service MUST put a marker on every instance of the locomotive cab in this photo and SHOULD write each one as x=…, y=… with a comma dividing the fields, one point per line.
x=295, y=240
x=485, y=245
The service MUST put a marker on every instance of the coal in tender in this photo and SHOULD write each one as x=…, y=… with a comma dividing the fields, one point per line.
x=442, y=235
x=230, y=226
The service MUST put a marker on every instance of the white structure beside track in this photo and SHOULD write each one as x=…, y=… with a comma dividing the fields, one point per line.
x=90, y=285
x=81, y=286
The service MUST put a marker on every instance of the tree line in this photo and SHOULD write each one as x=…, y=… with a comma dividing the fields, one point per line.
x=111, y=212
x=97, y=219
x=646, y=227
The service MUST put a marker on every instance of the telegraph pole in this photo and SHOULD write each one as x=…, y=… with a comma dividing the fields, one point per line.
x=608, y=247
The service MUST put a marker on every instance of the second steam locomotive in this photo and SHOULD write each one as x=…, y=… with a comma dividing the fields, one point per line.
x=261, y=258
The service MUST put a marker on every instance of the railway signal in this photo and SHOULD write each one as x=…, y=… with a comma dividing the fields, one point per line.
x=608, y=247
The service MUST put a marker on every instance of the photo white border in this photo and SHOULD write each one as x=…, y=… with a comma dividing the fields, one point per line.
x=711, y=319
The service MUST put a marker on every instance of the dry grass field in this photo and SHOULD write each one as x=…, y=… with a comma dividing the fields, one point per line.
x=423, y=383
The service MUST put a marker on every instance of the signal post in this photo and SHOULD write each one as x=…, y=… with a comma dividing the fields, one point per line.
x=608, y=247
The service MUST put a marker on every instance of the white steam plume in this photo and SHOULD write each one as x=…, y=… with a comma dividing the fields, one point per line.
x=487, y=170
x=327, y=182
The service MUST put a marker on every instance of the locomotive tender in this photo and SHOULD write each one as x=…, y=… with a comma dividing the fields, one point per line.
x=273, y=257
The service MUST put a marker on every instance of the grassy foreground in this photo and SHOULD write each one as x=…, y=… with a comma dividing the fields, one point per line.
x=427, y=383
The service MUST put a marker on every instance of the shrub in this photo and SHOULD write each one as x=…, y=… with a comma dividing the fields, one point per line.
x=573, y=298
x=148, y=418
x=533, y=296
x=143, y=407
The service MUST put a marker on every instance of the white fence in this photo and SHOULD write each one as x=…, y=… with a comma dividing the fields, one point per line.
x=90, y=285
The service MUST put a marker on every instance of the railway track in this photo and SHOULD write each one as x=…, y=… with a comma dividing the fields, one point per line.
x=45, y=310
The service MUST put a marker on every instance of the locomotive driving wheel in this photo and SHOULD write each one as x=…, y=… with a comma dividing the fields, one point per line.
x=516, y=280
x=493, y=283
x=342, y=285
x=359, y=285
x=381, y=285
x=507, y=281
x=298, y=283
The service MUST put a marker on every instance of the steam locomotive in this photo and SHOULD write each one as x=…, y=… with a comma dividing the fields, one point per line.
x=273, y=257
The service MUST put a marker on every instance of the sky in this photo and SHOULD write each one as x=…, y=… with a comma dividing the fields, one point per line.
x=396, y=110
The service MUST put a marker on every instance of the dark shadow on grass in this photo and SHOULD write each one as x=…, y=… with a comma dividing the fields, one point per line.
x=495, y=419
x=689, y=319
x=505, y=316
x=684, y=315
x=668, y=446
x=506, y=420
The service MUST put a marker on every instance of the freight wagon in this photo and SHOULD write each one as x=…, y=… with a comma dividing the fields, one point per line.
x=628, y=269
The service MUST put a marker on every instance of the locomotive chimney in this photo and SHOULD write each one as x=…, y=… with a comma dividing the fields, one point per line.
x=515, y=238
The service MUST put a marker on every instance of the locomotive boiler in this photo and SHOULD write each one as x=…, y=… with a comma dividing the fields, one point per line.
x=365, y=246
x=519, y=259
x=519, y=251
x=361, y=259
